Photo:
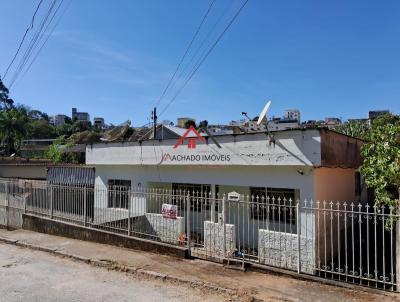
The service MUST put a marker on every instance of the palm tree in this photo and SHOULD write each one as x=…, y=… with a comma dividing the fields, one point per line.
x=13, y=128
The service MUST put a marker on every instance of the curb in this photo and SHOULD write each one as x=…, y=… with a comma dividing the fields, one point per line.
x=128, y=269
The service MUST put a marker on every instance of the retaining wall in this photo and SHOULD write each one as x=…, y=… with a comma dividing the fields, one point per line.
x=52, y=227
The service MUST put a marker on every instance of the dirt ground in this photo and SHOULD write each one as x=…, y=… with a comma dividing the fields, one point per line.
x=261, y=285
x=28, y=275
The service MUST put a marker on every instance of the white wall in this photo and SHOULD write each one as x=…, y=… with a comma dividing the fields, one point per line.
x=255, y=176
x=291, y=148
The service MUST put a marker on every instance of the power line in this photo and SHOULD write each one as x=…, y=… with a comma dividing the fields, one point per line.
x=205, y=57
x=181, y=60
x=48, y=36
x=202, y=60
x=32, y=44
x=186, y=51
x=197, y=51
x=23, y=39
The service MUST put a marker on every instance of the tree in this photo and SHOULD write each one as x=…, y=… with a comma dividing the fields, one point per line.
x=58, y=152
x=80, y=126
x=358, y=129
x=5, y=102
x=381, y=166
x=54, y=153
x=65, y=129
x=13, y=128
x=38, y=115
x=40, y=129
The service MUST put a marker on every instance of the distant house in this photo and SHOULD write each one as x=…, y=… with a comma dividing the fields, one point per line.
x=292, y=114
x=375, y=113
x=332, y=122
x=80, y=116
x=58, y=119
x=181, y=121
x=98, y=123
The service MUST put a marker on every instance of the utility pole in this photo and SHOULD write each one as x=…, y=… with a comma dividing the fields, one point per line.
x=154, y=117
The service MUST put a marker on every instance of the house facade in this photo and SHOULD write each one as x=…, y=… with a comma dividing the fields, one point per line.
x=306, y=161
x=266, y=170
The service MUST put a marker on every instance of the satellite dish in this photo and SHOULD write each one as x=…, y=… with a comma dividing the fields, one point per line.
x=264, y=112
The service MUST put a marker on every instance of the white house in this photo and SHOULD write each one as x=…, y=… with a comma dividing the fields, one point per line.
x=301, y=164
x=308, y=161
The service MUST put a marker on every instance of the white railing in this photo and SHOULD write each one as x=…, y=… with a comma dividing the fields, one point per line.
x=349, y=242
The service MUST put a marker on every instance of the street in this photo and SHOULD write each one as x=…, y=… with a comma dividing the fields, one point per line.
x=28, y=275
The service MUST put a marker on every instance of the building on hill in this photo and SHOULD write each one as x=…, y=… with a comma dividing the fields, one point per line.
x=375, y=113
x=58, y=119
x=80, y=116
x=98, y=123
x=332, y=122
x=292, y=114
x=181, y=121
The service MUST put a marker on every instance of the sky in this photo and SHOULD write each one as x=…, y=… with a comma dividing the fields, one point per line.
x=113, y=59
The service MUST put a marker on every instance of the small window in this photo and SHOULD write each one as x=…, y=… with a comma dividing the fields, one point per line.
x=258, y=202
x=118, y=193
x=274, y=204
x=199, y=196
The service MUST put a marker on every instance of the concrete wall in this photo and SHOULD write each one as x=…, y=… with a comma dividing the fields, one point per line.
x=168, y=230
x=291, y=148
x=43, y=225
x=23, y=171
x=332, y=187
x=281, y=250
x=214, y=239
x=335, y=184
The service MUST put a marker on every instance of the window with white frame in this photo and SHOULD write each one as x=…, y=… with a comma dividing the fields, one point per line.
x=118, y=193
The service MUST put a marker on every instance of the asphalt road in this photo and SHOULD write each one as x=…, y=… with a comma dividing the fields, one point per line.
x=27, y=275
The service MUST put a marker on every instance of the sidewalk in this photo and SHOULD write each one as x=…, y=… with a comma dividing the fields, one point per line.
x=262, y=286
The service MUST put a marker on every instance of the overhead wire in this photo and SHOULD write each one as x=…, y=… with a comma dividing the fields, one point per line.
x=202, y=43
x=201, y=61
x=32, y=44
x=48, y=36
x=203, y=20
x=23, y=39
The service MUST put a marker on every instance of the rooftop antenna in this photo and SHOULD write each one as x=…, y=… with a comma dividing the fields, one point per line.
x=264, y=113
x=245, y=114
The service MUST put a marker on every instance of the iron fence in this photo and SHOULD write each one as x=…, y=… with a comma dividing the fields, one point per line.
x=349, y=242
